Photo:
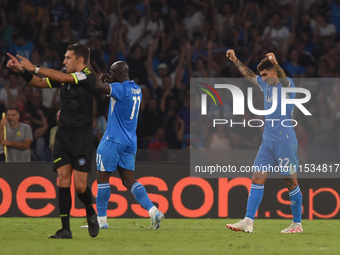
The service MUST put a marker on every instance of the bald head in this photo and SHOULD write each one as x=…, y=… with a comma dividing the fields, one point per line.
x=119, y=71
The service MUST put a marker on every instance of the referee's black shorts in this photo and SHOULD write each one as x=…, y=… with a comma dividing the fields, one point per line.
x=75, y=147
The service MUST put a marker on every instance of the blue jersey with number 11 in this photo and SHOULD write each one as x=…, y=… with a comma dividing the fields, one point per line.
x=125, y=99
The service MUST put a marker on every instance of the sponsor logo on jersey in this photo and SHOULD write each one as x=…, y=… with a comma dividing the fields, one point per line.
x=18, y=133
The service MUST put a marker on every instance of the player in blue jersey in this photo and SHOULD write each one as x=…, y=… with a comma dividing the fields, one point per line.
x=279, y=144
x=117, y=149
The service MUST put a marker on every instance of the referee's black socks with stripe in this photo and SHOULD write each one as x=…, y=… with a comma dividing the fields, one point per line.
x=64, y=201
x=86, y=198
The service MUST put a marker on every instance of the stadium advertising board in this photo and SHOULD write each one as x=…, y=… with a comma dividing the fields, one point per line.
x=29, y=190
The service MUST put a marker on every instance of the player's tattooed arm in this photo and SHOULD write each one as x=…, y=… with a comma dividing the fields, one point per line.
x=279, y=71
x=245, y=71
x=281, y=75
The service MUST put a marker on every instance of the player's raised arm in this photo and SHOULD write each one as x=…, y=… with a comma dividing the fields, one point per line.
x=279, y=71
x=102, y=83
x=245, y=71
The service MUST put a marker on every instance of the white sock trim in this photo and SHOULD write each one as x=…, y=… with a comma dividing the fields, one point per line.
x=152, y=210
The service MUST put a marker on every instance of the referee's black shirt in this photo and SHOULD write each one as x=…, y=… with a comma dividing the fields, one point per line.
x=76, y=100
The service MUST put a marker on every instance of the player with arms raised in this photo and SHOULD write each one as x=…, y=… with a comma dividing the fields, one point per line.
x=279, y=144
x=117, y=149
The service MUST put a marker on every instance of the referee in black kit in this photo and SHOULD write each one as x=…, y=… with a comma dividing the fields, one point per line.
x=74, y=139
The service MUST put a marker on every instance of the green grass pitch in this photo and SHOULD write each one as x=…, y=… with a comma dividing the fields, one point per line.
x=176, y=236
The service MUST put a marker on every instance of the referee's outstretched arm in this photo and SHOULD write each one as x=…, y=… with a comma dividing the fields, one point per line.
x=25, y=68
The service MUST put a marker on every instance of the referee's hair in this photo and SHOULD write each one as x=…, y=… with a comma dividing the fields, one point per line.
x=265, y=64
x=80, y=51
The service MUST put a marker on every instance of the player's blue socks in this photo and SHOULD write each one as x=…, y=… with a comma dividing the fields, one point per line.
x=254, y=199
x=296, y=204
x=141, y=196
x=103, y=197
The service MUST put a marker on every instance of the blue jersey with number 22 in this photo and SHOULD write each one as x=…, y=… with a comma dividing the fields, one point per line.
x=125, y=99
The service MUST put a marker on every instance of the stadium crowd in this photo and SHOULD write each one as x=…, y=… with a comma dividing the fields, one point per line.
x=165, y=43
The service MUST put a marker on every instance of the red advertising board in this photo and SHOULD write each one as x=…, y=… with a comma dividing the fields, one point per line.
x=29, y=190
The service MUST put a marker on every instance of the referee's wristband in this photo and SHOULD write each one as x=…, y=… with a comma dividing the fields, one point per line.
x=26, y=75
x=36, y=71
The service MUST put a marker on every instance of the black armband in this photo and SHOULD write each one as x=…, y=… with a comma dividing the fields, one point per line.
x=26, y=75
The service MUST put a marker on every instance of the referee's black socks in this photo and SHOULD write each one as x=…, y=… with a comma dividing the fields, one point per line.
x=86, y=198
x=64, y=201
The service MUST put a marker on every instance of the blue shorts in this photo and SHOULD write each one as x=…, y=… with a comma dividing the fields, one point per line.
x=278, y=157
x=110, y=155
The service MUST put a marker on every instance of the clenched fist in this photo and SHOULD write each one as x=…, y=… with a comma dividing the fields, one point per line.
x=231, y=55
x=271, y=57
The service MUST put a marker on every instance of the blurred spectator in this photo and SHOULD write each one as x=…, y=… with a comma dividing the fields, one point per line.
x=153, y=25
x=275, y=32
x=247, y=137
x=162, y=68
x=303, y=140
x=134, y=24
x=20, y=46
x=150, y=120
x=193, y=20
x=18, y=137
x=53, y=132
x=158, y=142
x=335, y=18
x=136, y=65
x=11, y=94
x=220, y=139
x=292, y=65
x=38, y=114
x=323, y=29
